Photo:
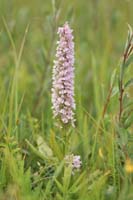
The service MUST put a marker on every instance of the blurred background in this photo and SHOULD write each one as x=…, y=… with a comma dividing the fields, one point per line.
x=100, y=30
x=28, y=35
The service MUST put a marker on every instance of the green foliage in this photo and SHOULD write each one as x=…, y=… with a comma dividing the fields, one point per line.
x=32, y=147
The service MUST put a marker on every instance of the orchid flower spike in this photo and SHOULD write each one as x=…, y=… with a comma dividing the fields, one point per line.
x=63, y=77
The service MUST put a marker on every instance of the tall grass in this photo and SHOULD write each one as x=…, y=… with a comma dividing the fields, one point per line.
x=32, y=152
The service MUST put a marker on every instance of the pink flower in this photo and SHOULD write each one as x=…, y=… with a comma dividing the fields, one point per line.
x=63, y=77
x=74, y=161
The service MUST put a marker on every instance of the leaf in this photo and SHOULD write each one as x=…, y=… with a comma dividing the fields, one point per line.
x=94, y=175
x=43, y=147
x=35, y=151
x=82, y=175
x=67, y=178
x=79, y=183
x=129, y=35
x=129, y=121
x=40, y=154
x=59, y=185
x=113, y=77
x=55, y=146
x=59, y=197
x=56, y=174
x=129, y=61
x=115, y=91
x=129, y=83
x=130, y=31
x=123, y=133
x=97, y=185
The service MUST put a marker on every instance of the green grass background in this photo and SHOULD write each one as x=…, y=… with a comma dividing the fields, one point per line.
x=27, y=47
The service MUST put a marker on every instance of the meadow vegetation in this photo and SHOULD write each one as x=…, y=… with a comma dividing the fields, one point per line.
x=32, y=147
